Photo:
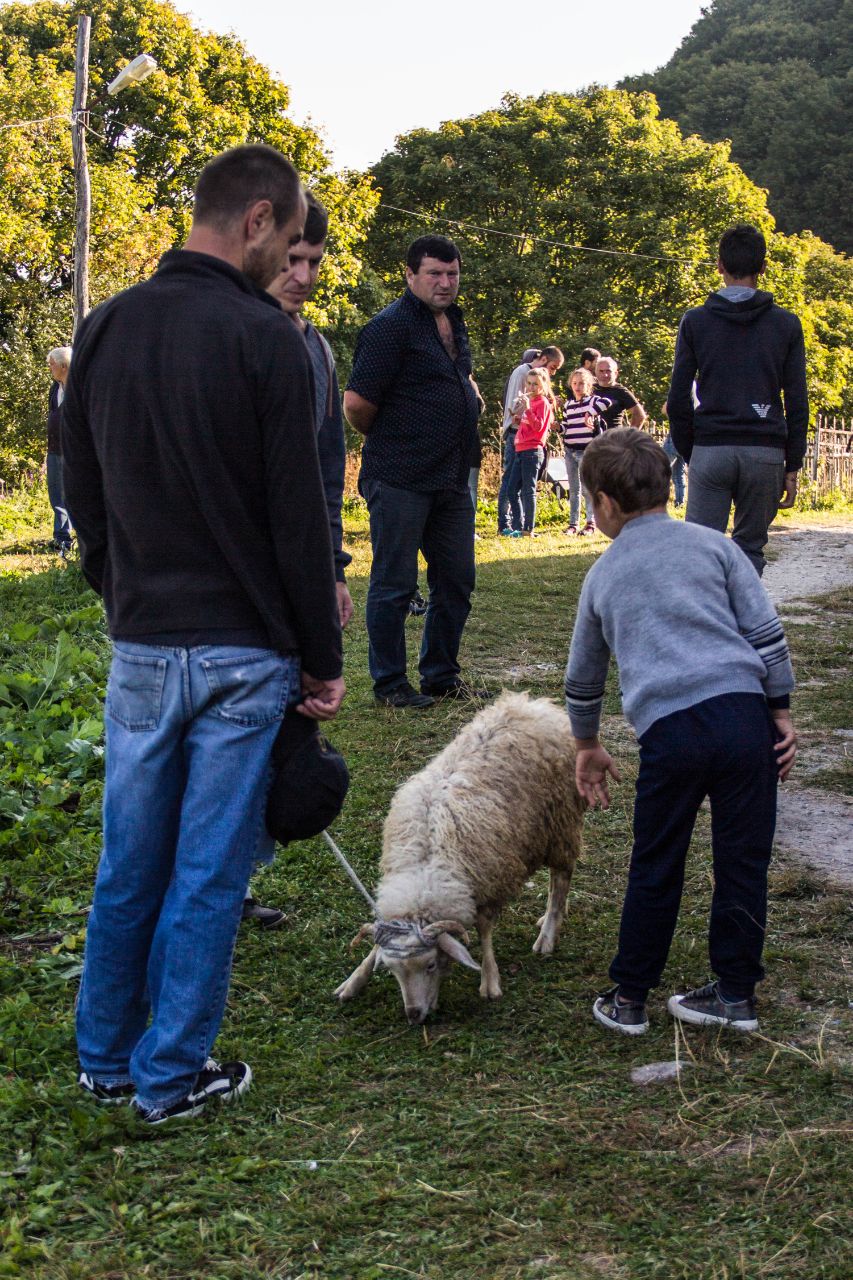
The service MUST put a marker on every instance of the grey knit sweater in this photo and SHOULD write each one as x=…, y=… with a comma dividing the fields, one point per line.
x=686, y=617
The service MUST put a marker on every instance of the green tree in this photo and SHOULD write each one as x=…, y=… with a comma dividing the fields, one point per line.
x=146, y=148
x=774, y=77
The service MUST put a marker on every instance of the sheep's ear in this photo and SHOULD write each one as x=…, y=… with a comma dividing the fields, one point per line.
x=455, y=949
x=366, y=931
x=359, y=977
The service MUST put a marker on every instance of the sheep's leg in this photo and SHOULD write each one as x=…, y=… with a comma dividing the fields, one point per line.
x=490, y=978
x=550, y=923
x=359, y=977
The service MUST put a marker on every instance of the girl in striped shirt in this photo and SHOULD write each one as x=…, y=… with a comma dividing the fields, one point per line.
x=580, y=424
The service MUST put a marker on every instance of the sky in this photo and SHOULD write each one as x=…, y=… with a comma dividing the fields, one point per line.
x=362, y=73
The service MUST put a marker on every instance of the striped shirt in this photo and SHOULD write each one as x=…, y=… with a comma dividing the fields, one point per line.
x=582, y=420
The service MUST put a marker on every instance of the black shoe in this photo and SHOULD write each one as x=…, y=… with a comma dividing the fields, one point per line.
x=705, y=1007
x=108, y=1095
x=459, y=689
x=267, y=917
x=404, y=696
x=628, y=1016
x=224, y=1082
x=417, y=605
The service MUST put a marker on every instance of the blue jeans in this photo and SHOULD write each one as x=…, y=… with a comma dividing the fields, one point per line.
x=577, y=487
x=750, y=476
x=677, y=466
x=721, y=748
x=188, y=764
x=56, y=495
x=441, y=525
x=509, y=506
x=526, y=467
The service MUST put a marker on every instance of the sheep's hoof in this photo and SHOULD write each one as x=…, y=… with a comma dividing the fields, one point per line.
x=541, y=921
x=544, y=944
x=343, y=992
x=491, y=990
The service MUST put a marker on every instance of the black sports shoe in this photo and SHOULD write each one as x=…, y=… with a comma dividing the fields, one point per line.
x=417, y=605
x=404, y=696
x=628, y=1017
x=108, y=1095
x=459, y=689
x=705, y=1007
x=225, y=1082
x=267, y=917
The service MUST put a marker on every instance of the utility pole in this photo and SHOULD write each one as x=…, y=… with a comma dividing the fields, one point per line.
x=82, y=185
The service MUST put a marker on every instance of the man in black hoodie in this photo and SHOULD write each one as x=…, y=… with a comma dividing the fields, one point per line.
x=193, y=479
x=745, y=437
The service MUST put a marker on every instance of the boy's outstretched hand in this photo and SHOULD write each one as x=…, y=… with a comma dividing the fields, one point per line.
x=786, y=747
x=592, y=766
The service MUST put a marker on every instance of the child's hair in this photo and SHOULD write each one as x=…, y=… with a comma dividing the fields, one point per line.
x=543, y=377
x=629, y=466
x=588, y=379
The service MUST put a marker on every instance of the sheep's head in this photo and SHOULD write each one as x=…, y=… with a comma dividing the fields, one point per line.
x=417, y=954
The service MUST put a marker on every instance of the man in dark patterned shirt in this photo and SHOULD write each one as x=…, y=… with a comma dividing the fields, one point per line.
x=411, y=395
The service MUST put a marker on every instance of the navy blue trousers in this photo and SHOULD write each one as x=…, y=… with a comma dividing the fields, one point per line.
x=723, y=749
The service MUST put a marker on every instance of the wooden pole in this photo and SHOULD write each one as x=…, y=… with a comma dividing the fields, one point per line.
x=82, y=185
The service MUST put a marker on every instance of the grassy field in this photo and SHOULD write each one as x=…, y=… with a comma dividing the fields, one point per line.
x=503, y=1140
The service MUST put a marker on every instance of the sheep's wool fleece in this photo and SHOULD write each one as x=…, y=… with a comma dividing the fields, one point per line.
x=499, y=802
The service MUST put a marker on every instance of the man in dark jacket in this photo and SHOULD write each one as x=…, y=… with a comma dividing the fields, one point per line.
x=745, y=437
x=59, y=362
x=411, y=394
x=193, y=482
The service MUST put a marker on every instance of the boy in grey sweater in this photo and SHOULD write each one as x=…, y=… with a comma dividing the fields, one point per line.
x=705, y=678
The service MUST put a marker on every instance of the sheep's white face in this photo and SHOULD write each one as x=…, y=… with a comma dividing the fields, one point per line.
x=419, y=978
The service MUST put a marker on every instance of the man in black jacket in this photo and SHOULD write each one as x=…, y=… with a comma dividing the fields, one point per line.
x=746, y=355
x=193, y=481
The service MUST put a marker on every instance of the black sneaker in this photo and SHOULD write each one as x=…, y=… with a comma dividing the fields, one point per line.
x=459, y=689
x=225, y=1082
x=705, y=1007
x=108, y=1095
x=417, y=605
x=404, y=696
x=267, y=917
x=628, y=1017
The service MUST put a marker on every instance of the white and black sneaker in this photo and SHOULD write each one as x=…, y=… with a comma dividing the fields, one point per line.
x=221, y=1081
x=705, y=1007
x=108, y=1095
x=619, y=1014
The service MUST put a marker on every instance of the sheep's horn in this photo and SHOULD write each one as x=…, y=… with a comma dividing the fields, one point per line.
x=447, y=926
x=365, y=931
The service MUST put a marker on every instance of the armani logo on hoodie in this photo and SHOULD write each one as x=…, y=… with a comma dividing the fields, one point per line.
x=762, y=410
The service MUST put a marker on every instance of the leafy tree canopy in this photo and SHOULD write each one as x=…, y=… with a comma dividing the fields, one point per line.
x=146, y=148
x=774, y=77
x=601, y=170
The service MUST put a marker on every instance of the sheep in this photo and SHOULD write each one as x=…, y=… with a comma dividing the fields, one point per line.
x=461, y=838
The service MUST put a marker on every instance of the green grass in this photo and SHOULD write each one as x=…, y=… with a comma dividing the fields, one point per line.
x=503, y=1141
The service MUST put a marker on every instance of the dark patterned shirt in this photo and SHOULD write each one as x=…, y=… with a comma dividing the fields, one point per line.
x=620, y=399
x=425, y=432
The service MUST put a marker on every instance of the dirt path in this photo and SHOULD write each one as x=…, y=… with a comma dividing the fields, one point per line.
x=815, y=827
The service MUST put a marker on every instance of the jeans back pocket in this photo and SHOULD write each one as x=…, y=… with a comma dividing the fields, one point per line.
x=135, y=690
x=249, y=689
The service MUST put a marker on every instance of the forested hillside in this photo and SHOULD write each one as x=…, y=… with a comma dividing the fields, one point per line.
x=774, y=76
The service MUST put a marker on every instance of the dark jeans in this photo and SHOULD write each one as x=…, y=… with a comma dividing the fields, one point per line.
x=721, y=748
x=56, y=494
x=441, y=525
x=523, y=478
x=509, y=507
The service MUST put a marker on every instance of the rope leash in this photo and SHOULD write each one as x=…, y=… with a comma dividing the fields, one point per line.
x=351, y=876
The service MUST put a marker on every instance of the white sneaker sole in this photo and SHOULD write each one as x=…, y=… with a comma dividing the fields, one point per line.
x=639, y=1029
x=697, y=1019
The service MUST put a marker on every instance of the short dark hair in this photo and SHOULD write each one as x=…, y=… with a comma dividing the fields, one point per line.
x=629, y=466
x=743, y=250
x=553, y=353
x=316, y=221
x=589, y=353
x=431, y=247
x=239, y=177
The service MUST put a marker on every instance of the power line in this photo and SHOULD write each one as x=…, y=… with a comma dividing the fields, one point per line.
x=29, y=124
x=542, y=240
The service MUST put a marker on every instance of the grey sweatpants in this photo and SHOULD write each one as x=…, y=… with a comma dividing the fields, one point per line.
x=749, y=476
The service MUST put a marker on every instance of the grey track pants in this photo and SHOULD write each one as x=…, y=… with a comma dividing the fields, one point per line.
x=749, y=476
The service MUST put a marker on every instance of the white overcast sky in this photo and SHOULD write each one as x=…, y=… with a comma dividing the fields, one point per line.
x=365, y=72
